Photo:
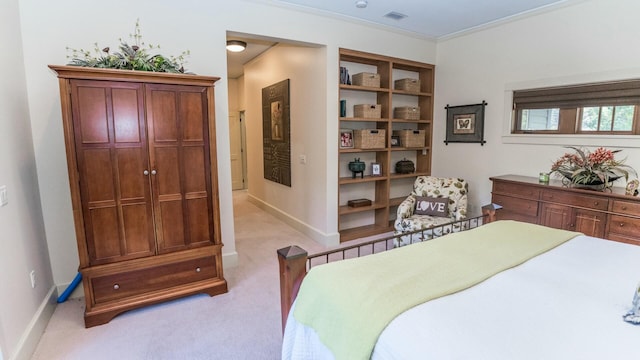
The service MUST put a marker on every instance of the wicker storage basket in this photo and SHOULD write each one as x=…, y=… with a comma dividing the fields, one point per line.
x=366, y=79
x=412, y=85
x=411, y=138
x=367, y=111
x=369, y=138
x=407, y=113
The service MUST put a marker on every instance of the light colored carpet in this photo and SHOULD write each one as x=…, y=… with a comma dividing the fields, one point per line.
x=242, y=324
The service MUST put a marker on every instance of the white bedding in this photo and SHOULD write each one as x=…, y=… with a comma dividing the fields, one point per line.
x=565, y=304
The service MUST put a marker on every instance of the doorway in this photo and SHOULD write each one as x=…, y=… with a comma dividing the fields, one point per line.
x=237, y=140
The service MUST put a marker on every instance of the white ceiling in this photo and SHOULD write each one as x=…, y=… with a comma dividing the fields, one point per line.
x=427, y=18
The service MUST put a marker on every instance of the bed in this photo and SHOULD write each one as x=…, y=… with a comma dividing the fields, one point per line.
x=565, y=303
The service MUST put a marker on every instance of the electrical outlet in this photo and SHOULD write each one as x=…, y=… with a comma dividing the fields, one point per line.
x=4, y=199
x=32, y=275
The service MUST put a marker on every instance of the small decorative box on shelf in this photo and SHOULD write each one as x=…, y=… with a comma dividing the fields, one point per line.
x=369, y=138
x=412, y=85
x=359, y=202
x=407, y=112
x=367, y=111
x=366, y=79
x=411, y=138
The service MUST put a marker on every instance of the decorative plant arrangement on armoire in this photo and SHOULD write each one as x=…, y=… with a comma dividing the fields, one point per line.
x=130, y=57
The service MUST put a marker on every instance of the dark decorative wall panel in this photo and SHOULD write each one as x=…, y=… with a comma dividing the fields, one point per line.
x=276, y=136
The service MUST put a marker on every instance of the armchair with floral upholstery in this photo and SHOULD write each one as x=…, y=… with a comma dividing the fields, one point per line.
x=431, y=190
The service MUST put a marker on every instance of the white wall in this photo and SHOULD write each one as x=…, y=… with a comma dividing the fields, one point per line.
x=586, y=41
x=201, y=28
x=23, y=245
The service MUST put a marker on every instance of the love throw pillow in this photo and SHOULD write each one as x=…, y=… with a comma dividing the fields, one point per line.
x=432, y=206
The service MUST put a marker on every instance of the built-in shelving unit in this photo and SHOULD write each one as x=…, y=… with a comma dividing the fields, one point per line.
x=389, y=189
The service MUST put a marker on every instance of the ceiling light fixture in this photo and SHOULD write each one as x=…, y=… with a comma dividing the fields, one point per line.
x=361, y=4
x=236, y=45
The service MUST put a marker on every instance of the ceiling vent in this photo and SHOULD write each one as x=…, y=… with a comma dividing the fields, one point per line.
x=395, y=15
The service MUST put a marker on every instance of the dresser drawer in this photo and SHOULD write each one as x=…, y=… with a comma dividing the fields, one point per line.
x=516, y=205
x=135, y=282
x=626, y=207
x=572, y=199
x=528, y=192
x=624, y=239
x=624, y=226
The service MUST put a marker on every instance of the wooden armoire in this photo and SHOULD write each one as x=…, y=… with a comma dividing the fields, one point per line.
x=141, y=157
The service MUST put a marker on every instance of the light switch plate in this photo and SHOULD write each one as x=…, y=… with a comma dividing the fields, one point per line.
x=4, y=199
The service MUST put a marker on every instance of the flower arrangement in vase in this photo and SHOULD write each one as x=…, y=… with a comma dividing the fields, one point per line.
x=595, y=170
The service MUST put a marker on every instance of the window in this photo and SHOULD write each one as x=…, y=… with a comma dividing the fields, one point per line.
x=607, y=118
x=604, y=108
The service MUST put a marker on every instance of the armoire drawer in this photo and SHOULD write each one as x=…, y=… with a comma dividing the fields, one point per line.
x=131, y=283
x=572, y=199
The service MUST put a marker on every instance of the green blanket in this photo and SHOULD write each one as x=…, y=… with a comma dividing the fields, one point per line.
x=349, y=303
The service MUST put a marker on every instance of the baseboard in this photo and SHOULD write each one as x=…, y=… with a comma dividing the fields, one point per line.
x=32, y=334
x=78, y=292
x=310, y=231
x=229, y=260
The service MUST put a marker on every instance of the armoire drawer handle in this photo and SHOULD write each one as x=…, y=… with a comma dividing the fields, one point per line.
x=153, y=172
x=146, y=172
x=198, y=269
x=621, y=224
x=116, y=287
x=624, y=208
x=595, y=203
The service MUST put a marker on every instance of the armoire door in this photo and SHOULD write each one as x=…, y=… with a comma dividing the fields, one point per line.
x=112, y=158
x=178, y=131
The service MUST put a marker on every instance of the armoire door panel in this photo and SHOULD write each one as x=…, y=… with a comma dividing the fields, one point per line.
x=137, y=226
x=191, y=115
x=182, y=163
x=199, y=231
x=134, y=184
x=167, y=178
x=97, y=170
x=126, y=115
x=164, y=123
x=195, y=178
x=171, y=217
x=112, y=155
x=92, y=115
x=106, y=237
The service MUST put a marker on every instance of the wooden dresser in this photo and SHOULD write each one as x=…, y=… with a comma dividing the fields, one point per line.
x=610, y=214
x=141, y=157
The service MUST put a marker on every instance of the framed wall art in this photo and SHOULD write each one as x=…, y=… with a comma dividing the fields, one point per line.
x=465, y=123
x=376, y=169
x=276, y=137
x=395, y=140
x=346, y=139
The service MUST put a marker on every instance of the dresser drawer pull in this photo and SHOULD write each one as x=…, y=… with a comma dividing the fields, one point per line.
x=197, y=269
x=116, y=287
x=624, y=207
x=621, y=224
x=595, y=203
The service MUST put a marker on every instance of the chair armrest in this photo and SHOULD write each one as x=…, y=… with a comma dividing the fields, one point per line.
x=406, y=208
